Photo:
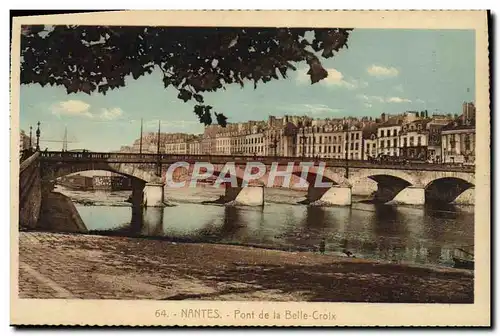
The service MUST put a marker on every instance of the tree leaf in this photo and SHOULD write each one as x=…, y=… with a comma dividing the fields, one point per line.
x=198, y=97
x=316, y=71
x=184, y=94
x=100, y=58
x=221, y=119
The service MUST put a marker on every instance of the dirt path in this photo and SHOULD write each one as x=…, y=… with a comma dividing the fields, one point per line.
x=91, y=267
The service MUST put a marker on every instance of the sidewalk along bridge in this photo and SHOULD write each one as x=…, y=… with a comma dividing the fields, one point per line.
x=56, y=156
x=414, y=184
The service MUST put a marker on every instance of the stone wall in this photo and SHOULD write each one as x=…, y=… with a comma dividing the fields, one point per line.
x=30, y=192
x=59, y=214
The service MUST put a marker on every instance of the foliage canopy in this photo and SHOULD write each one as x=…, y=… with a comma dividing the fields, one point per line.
x=193, y=60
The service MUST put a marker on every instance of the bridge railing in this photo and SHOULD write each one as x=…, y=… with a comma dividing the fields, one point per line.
x=78, y=156
x=221, y=159
x=28, y=162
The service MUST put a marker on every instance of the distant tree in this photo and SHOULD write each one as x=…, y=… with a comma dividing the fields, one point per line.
x=193, y=60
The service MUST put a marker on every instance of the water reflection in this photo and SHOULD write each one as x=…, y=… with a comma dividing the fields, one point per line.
x=410, y=234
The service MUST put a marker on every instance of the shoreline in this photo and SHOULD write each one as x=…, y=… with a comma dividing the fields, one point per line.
x=111, y=267
x=263, y=248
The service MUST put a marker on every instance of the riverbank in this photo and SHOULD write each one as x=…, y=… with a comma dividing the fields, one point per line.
x=98, y=267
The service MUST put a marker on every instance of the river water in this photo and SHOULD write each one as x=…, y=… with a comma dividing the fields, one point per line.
x=421, y=235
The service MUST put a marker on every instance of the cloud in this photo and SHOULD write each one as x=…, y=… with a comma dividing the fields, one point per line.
x=319, y=109
x=420, y=101
x=370, y=99
x=168, y=124
x=72, y=108
x=379, y=99
x=335, y=79
x=110, y=114
x=368, y=105
x=398, y=100
x=314, y=109
x=381, y=71
x=79, y=108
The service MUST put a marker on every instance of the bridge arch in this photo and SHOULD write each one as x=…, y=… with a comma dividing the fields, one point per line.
x=139, y=174
x=361, y=175
x=52, y=171
x=446, y=189
x=429, y=176
x=219, y=170
x=326, y=174
x=382, y=185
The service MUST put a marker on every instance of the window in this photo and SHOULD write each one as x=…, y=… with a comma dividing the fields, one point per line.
x=357, y=145
x=381, y=143
x=320, y=139
x=394, y=132
x=388, y=143
x=367, y=146
x=382, y=133
x=411, y=141
x=452, y=141
x=334, y=149
x=404, y=142
x=357, y=136
x=352, y=136
x=419, y=141
x=352, y=146
x=334, y=139
x=467, y=142
x=395, y=142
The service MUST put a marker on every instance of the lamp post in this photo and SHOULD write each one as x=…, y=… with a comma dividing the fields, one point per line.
x=31, y=137
x=38, y=137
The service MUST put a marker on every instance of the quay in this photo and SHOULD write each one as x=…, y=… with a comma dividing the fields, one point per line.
x=80, y=266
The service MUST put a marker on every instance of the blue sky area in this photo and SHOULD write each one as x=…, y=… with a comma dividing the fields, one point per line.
x=389, y=71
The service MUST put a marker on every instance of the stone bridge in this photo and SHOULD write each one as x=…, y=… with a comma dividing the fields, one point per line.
x=388, y=183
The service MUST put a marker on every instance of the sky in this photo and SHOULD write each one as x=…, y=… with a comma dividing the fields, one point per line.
x=382, y=71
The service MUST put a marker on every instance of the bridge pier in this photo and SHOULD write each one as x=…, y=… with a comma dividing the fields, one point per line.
x=137, y=196
x=410, y=195
x=336, y=195
x=153, y=195
x=251, y=195
x=466, y=198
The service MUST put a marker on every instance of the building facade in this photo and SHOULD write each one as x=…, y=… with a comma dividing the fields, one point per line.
x=414, y=140
x=412, y=135
x=388, y=137
x=369, y=142
x=458, y=143
x=194, y=146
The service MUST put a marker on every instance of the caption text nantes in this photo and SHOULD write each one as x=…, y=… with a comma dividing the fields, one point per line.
x=240, y=314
